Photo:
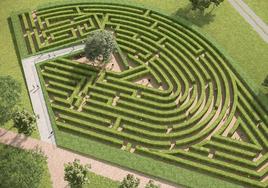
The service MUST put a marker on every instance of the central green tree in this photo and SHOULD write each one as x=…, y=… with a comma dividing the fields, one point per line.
x=99, y=46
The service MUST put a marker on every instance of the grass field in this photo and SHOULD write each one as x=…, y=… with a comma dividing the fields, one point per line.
x=259, y=7
x=97, y=181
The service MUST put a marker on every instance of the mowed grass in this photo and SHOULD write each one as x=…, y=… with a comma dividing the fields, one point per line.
x=97, y=181
x=260, y=7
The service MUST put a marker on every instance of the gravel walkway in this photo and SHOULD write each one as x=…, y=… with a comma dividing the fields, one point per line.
x=57, y=157
x=256, y=22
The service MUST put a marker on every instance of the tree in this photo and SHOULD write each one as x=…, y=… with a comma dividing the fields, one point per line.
x=151, y=184
x=9, y=96
x=21, y=168
x=204, y=4
x=100, y=45
x=130, y=182
x=24, y=122
x=76, y=173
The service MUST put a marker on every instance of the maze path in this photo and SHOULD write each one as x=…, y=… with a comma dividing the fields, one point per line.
x=200, y=115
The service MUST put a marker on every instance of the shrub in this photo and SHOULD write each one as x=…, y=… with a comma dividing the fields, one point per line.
x=24, y=122
x=76, y=173
x=130, y=182
x=9, y=97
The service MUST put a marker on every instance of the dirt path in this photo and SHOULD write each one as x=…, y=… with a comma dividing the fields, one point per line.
x=58, y=157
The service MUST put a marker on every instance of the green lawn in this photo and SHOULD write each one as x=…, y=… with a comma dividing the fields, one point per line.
x=260, y=7
x=97, y=181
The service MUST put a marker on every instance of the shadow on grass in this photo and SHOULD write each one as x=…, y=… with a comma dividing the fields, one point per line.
x=194, y=16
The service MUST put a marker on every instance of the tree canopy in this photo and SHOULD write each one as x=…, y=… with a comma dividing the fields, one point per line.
x=100, y=44
x=21, y=168
x=76, y=173
x=204, y=4
x=24, y=121
x=9, y=97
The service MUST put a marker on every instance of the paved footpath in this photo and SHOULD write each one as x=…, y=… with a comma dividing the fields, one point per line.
x=35, y=91
x=57, y=157
x=256, y=22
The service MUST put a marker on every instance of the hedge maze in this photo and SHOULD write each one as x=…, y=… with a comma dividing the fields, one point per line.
x=176, y=97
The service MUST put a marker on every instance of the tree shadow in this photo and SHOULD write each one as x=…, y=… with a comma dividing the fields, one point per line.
x=195, y=17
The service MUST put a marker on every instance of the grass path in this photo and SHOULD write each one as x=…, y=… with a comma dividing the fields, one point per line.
x=57, y=157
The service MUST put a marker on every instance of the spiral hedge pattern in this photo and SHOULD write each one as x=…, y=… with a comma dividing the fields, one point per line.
x=199, y=114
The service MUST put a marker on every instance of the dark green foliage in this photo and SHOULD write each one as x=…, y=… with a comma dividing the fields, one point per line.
x=22, y=169
x=130, y=182
x=151, y=184
x=9, y=96
x=24, y=122
x=76, y=174
x=100, y=43
x=204, y=4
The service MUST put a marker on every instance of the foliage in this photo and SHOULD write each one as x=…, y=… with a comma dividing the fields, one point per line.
x=21, y=168
x=100, y=43
x=204, y=4
x=9, y=97
x=24, y=122
x=76, y=173
x=130, y=182
x=151, y=184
